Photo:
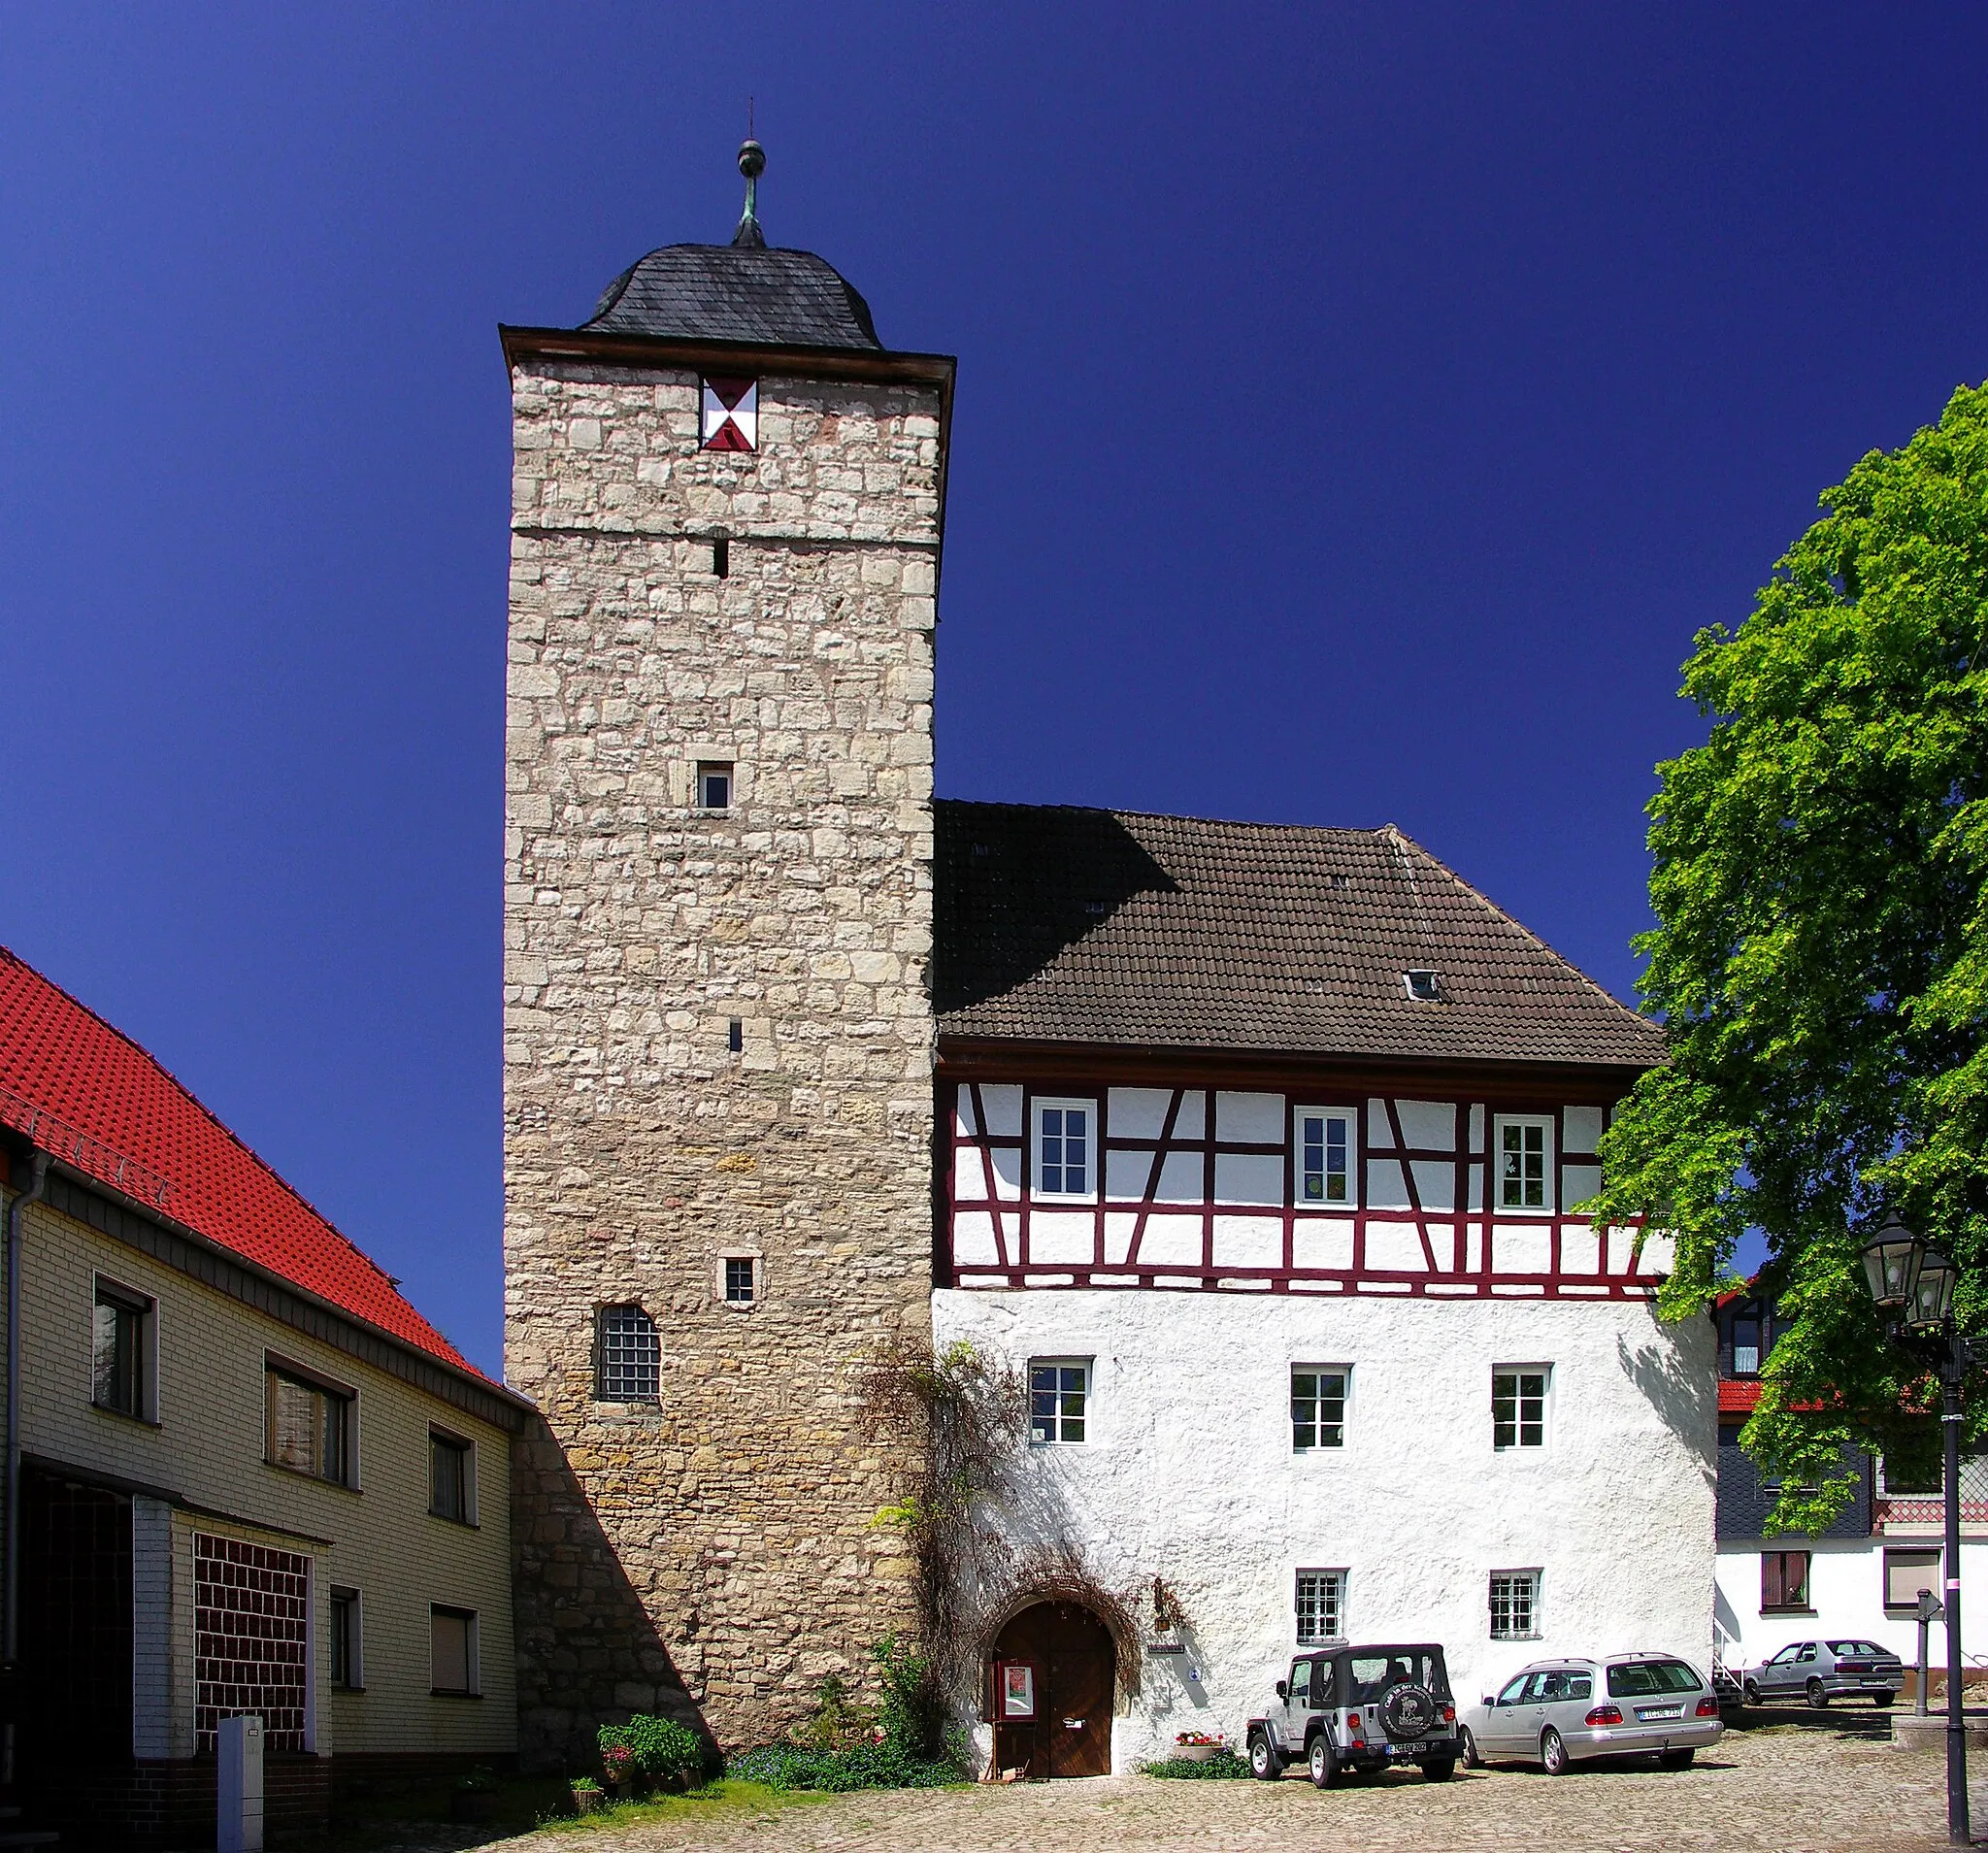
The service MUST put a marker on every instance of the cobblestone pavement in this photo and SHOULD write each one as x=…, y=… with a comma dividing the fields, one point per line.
x=1786, y=1790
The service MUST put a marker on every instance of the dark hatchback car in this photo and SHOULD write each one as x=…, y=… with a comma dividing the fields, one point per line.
x=1360, y=1708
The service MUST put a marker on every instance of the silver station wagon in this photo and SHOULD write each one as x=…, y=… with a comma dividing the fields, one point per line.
x=1819, y=1671
x=1559, y=1712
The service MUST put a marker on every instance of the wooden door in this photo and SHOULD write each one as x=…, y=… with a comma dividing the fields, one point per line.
x=1071, y=1731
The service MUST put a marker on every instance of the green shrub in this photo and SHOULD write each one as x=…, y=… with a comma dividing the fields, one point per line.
x=664, y=1750
x=1219, y=1767
x=863, y=1766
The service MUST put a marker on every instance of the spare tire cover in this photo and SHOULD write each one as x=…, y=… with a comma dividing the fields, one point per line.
x=1407, y=1711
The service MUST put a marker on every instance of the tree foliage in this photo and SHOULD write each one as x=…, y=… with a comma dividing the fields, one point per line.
x=1820, y=961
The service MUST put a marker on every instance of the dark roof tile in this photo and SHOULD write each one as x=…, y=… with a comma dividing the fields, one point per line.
x=736, y=293
x=1108, y=927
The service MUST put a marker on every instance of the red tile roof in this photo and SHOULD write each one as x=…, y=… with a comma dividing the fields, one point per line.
x=103, y=1105
x=1738, y=1398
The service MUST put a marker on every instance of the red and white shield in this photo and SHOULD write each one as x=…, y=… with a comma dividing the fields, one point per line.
x=731, y=415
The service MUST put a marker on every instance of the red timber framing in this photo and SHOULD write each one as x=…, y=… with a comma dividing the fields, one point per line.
x=1194, y=1185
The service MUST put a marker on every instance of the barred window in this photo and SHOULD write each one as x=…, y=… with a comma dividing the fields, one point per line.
x=1318, y=1407
x=1321, y=1606
x=630, y=1357
x=1515, y=1604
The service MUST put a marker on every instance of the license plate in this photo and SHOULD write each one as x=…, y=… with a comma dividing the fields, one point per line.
x=1878, y=1682
x=1405, y=1749
x=1650, y=1713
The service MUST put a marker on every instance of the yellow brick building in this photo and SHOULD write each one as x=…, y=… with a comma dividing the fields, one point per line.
x=244, y=1474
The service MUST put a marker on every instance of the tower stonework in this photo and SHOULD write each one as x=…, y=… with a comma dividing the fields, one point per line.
x=718, y=1036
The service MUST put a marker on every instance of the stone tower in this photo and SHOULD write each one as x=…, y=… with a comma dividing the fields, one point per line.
x=718, y=1036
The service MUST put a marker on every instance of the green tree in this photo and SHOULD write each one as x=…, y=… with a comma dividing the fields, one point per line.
x=1820, y=961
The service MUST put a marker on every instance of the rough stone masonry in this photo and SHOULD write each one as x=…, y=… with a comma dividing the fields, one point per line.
x=715, y=1551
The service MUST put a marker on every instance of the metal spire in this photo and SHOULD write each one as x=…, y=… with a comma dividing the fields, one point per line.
x=751, y=164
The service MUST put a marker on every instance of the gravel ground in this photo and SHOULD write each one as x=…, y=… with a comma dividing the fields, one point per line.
x=1780, y=1789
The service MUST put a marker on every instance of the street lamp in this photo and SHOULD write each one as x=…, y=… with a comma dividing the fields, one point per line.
x=1914, y=1284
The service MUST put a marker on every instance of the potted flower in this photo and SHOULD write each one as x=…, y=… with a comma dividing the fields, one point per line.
x=1196, y=1747
x=588, y=1798
x=474, y=1796
x=618, y=1764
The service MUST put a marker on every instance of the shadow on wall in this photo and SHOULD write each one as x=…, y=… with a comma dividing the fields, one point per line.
x=1016, y=885
x=1686, y=1395
x=587, y=1652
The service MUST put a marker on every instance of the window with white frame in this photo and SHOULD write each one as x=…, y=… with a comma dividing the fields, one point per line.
x=1518, y=1405
x=121, y=1350
x=1524, y=1145
x=1318, y=1407
x=1515, y=1604
x=1321, y=1606
x=453, y=1651
x=1059, y=1397
x=628, y=1356
x=1908, y=1573
x=1326, y=1154
x=1066, y=1149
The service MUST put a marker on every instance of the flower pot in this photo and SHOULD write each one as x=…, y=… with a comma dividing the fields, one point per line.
x=1195, y=1752
x=588, y=1800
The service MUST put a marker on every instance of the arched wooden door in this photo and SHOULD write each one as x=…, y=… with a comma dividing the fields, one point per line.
x=1074, y=1665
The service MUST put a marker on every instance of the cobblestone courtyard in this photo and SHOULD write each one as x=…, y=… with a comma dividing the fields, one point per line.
x=1783, y=1790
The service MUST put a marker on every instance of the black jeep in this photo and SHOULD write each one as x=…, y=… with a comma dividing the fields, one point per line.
x=1360, y=1708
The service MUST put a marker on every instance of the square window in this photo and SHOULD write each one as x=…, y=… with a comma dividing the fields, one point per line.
x=1318, y=1407
x=1783, y=1580
x=713, y=784
x=452, y=1483
x=453, y=1650
x=1518, y=1406
x=1524, y=1162
x=308, y=1425
x=1515, y=1604
x=1065, y=1150
x=740, y=1286
x=1908, y=1572
x=628, y=1356
x=1326, y=1151
x=121, y=1350
x=1059, y=1390
x=346, y=1644
x=1321, y=1606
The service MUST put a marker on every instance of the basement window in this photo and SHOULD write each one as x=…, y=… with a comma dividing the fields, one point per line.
x=1424, y=986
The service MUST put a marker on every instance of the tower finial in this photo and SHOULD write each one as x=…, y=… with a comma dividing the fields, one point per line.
x=751, y=164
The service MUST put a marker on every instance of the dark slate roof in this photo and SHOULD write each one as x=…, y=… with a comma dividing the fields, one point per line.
x=736, y=293
x=1061, y=925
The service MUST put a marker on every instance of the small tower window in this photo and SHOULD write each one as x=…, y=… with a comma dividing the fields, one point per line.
x=721, y=558
x=713, y=784
x=628, y=1356
x=735, y=1036
x=742, y=1284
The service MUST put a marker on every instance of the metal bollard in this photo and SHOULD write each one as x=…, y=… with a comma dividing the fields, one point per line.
x=238, y=1824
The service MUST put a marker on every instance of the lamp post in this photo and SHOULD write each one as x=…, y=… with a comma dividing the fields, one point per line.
x=1914, y=1284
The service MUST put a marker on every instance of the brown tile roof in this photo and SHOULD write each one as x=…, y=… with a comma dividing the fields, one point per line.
x=1063, y=925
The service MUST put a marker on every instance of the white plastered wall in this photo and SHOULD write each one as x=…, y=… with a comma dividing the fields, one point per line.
x=1188, y=1474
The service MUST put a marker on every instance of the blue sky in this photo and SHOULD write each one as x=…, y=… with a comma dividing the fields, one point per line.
x=1359, y=411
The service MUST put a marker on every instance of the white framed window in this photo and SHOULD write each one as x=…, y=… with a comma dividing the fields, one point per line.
x=453, y=1652
x=1907, y=1572
x=1518, y=1405
x=1318, y=1407
x=628, y=1356
x=1522, y=1145
x=1515, y=1604
x=715, y=785
x=1059, y=1400
x=1321, y=1606
x=740, y=1279
x=1066, y=1149
x=124, y=1351
x=348, y=1640
x=1327, y=1158
x=451, y=1476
